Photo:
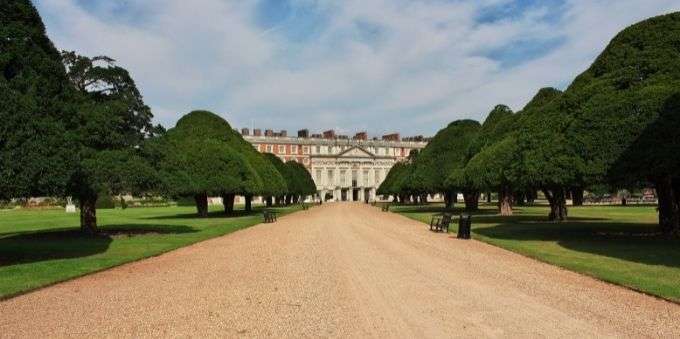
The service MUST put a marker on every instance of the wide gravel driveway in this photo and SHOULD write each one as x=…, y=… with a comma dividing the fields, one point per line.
x=339, y=270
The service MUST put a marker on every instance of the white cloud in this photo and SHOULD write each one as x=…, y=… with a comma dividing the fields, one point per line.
x=381, y=65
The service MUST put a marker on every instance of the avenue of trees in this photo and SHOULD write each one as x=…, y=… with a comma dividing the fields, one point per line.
x=616, y=125
x=78, y=126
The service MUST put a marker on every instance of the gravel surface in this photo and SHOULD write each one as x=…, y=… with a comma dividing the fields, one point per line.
x=339, y=270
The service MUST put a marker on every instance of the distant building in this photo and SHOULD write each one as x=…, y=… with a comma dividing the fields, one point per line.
x=343, y=169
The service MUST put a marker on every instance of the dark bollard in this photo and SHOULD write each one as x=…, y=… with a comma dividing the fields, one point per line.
x=464, y=225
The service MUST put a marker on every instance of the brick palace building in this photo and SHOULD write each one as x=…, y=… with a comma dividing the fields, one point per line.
x=343, y=168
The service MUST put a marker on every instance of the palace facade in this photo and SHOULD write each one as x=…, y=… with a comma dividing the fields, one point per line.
x=343, y=168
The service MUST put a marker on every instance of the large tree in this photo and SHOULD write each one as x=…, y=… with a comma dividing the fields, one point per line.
x=624, y=112
x=546, y=159
x=110, y=125
x=58, y=136
x=36, y=110
x=200, y=159
x=491, y=157
x=301, y=183
x=447, y=151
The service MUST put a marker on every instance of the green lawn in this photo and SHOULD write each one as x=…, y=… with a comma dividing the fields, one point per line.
x=39, y=248
x=613, y=243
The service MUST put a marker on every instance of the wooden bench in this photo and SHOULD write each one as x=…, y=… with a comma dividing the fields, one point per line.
x=385, y=208
x=304, y=206
x=270, y=216
x=440, y=222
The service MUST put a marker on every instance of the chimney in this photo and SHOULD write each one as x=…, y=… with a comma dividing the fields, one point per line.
x=303, y=133
x=330, y=134
x=268, y=133
x=245, y=132
x=283, y=133
x=257, y=132
x=361, y=136
x=391, y=137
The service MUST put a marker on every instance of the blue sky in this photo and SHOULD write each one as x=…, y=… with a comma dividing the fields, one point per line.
x=410, y=66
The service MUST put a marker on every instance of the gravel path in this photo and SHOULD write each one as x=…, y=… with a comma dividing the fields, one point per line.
x=340, y=270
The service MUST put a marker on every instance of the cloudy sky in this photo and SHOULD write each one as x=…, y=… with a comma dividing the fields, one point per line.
x=379, y=65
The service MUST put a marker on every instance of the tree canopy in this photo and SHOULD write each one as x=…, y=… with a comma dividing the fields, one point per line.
x=623, y=107
x=447, y=151
x=36, y=145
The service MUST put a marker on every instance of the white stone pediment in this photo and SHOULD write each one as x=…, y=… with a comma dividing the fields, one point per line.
x=356, y=152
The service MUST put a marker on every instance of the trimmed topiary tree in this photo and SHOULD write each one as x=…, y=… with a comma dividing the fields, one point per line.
x=199, y=161
x=624, y=112
x=447, y=151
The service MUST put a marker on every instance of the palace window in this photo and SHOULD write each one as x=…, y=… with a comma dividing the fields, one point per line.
x=269, y=148
x=305, y=149
x=282, y=149
x=318, y=176
x=343, y=173
x=293, y=149
x=366, y=178
x=318, y=149
x=331, y=180
x=305, y=161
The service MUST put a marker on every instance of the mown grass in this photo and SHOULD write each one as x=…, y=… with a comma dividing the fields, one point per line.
x=617, y=244
x=39, y=248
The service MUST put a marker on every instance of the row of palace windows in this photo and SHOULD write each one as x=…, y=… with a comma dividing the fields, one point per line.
x=347, y=177
x=324, y=149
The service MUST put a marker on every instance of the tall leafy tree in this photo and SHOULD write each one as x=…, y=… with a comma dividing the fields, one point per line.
x=110, y=125
x=545, y=158
x=624, y=112
x=36, y=143
x=200, y=159
x=301, y=183
x=447, y=151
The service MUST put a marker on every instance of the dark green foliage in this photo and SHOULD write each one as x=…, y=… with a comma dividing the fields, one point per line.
x=197, y=159
x=36, y=147
x=448, y=150
x=392, y=185
x=302, y=182
x=624, y=112
x=282, y=169
x=298, y=181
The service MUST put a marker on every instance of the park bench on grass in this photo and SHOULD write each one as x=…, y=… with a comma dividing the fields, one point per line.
x=304, y=206
x=270, y=216
x=385, y=208
x=440, y=222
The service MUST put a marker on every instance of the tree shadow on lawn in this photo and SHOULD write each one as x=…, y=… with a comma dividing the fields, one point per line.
x=635, y=242
x=441, y=209
x=211, y=215
x=30, y=247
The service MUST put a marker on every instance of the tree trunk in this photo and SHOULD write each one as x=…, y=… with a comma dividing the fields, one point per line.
x=249, y=202
x=669, y=205
x=531, y=196
x=88, y=214
x=505, y=200
x=471, y=200
x=577, y=196
x=488, y=197
x=268, y=201
x=449, y=199
x=228, y=202
x=201, y=204
x=558, y=203
x=624, y=201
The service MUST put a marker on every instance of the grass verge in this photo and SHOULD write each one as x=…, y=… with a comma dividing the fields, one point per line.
x=40, y=248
